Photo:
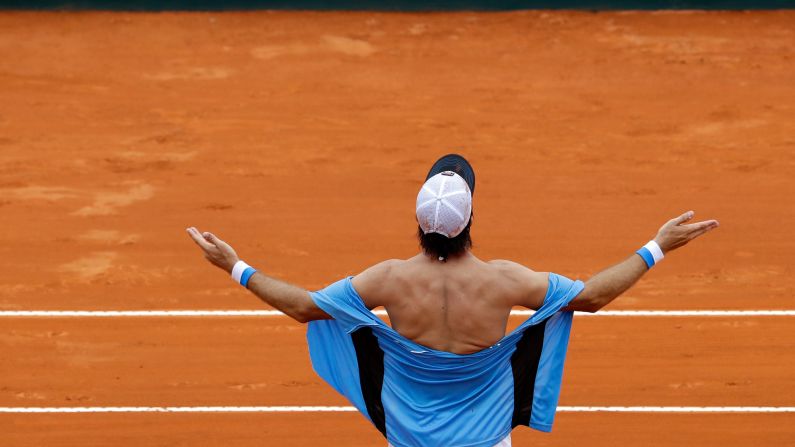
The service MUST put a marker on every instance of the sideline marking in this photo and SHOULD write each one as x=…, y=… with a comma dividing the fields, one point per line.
x=276, y=313
x=298, y=409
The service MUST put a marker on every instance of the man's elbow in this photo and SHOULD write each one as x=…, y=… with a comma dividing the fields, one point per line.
x=300, y=314
x=591, y=308
x=306, y=313
x=300, y=317
x=587, y=306
x=587, y=302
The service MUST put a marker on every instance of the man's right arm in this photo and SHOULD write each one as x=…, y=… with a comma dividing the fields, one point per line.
x=608, y=284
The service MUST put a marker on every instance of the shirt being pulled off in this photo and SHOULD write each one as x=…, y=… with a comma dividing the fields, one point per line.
x=417, y=396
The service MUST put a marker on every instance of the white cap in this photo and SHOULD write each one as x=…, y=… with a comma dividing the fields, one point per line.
x=444, y=204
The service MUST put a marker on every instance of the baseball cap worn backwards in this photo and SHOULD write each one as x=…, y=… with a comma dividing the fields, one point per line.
x=457, y=164
x=444, y=203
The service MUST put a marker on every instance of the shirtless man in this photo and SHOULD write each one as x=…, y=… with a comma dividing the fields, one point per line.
x=445, y=298
x=461, y=304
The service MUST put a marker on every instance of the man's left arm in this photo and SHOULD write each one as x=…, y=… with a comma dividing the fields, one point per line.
x=294, y=301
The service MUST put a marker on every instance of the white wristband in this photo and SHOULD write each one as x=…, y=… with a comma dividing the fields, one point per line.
x=655, y=250
x=238, y=269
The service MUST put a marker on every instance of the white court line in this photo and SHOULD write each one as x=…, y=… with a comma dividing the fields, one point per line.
x=276, y=313
x=310, y=409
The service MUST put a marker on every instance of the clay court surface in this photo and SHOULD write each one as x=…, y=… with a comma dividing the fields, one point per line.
x=302, y=139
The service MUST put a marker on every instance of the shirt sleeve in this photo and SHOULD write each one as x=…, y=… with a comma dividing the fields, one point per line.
x=555, y=327
x=343, y=303
x=331, y=347
x=560, y=292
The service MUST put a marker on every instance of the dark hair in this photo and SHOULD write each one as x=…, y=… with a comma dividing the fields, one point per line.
x=437, y=246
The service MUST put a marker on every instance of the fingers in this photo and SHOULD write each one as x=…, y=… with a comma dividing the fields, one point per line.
x=683, y=218
x=197, y=237
x=705, y=225
x=698, y=233
x=700, y=228
x=213, y=239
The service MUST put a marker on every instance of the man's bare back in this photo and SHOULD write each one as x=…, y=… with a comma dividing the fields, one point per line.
x=460, y=305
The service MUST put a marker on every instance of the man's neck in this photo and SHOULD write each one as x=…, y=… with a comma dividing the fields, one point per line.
x=466, y=256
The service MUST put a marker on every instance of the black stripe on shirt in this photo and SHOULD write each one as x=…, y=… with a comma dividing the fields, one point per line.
x=524, y=364
x=370, y=357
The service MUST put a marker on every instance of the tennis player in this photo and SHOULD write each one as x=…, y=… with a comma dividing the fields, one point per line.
x=445, y=373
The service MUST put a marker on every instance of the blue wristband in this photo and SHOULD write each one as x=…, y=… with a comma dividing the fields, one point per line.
x=247, y=273
x=647, y=257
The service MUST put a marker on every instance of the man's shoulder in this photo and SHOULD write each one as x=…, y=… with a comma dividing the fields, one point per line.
x=384, y=267
x=370, y=283
x=519, y=277
x=379, y=272
x=508, y=266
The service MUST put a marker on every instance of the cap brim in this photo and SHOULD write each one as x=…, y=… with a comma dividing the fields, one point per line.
x=457, y=164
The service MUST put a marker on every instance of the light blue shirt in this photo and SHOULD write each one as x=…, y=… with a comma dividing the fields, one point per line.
x=418, y=396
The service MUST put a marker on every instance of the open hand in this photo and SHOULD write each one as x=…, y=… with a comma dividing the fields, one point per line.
x=676, y=233
x=218, y=252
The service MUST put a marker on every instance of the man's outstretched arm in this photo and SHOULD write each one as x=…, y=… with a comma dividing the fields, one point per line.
x=608, y=284
x=294, y=301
